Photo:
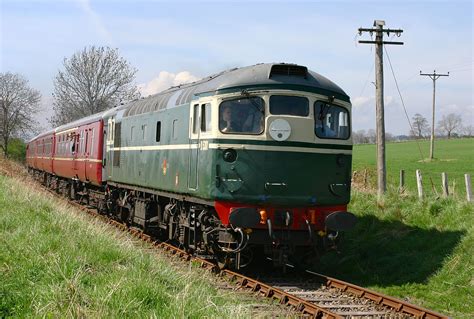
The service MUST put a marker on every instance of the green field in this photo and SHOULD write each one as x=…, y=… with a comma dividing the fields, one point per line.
x=455, y=157
x=56, y=262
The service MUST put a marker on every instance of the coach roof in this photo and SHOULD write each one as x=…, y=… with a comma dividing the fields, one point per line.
x=259, y=76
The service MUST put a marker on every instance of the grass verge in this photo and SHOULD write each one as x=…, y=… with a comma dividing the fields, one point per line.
x=58, y=262
x=422, y=251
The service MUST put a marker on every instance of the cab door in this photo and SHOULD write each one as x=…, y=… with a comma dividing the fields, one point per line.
x=200, y=130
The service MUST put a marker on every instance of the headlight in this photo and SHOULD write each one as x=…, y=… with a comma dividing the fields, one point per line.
x=230, y=155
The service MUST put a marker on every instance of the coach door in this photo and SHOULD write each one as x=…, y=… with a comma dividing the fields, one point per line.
x=86, y=154
x=75, y=153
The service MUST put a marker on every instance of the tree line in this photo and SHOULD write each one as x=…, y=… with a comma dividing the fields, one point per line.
x=450, y=125
x=91, y=80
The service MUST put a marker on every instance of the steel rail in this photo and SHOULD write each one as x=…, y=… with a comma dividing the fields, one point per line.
x=379, y=298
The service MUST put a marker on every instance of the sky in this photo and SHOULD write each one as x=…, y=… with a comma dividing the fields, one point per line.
x=172, y=42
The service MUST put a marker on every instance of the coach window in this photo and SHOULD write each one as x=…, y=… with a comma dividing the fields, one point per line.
x=73, y=144
x=206, y=117
x=92, y=142
x=143, y=132
x=331, y=121
x=158, y=131
x=131, y=132
x=86, y=142
x=242, y=116
x=63, y=144
x=289, y=105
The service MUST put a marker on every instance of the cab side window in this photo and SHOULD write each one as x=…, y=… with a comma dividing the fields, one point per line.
x=206, y=124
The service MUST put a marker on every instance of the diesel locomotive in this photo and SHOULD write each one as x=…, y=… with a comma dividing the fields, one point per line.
x=249, y=163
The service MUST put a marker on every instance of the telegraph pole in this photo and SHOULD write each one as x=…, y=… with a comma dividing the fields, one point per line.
x=379, y=106
x=434, y=76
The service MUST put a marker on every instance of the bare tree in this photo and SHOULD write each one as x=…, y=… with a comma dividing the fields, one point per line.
x=359, y=137
x=18, y=105
x=468, y=130
x=419, y=126
x=389, y=137
x=371, y=136
x=94, y=79
x=450, y=123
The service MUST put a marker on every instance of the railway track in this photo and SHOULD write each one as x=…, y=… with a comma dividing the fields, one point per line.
x=309, y=294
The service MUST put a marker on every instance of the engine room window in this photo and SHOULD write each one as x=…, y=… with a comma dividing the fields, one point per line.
x=331, y=121
x=289, y=105
x=158, y=131
x=175, y=129
x=242, y=116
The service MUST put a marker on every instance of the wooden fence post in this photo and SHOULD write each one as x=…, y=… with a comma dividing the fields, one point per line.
x=402, y=181
x=444, y=178
x=467, y=178
x=419, y=184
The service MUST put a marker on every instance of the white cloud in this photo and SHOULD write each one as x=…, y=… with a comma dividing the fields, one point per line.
x=361, y=100
x=165, y=80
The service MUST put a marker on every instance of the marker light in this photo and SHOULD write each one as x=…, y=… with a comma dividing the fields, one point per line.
x=263, y=216
x=312, y=216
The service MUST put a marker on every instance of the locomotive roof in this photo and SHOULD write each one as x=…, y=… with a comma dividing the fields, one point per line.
x=260, y=76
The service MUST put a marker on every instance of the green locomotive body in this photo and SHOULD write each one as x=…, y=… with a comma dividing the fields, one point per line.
x=247, y=147
x=175, y=148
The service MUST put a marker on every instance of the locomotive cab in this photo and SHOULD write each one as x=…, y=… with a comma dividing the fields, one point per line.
x=282, y=161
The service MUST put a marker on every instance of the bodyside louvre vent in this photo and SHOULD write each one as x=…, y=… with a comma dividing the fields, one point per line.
x=288, y=70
